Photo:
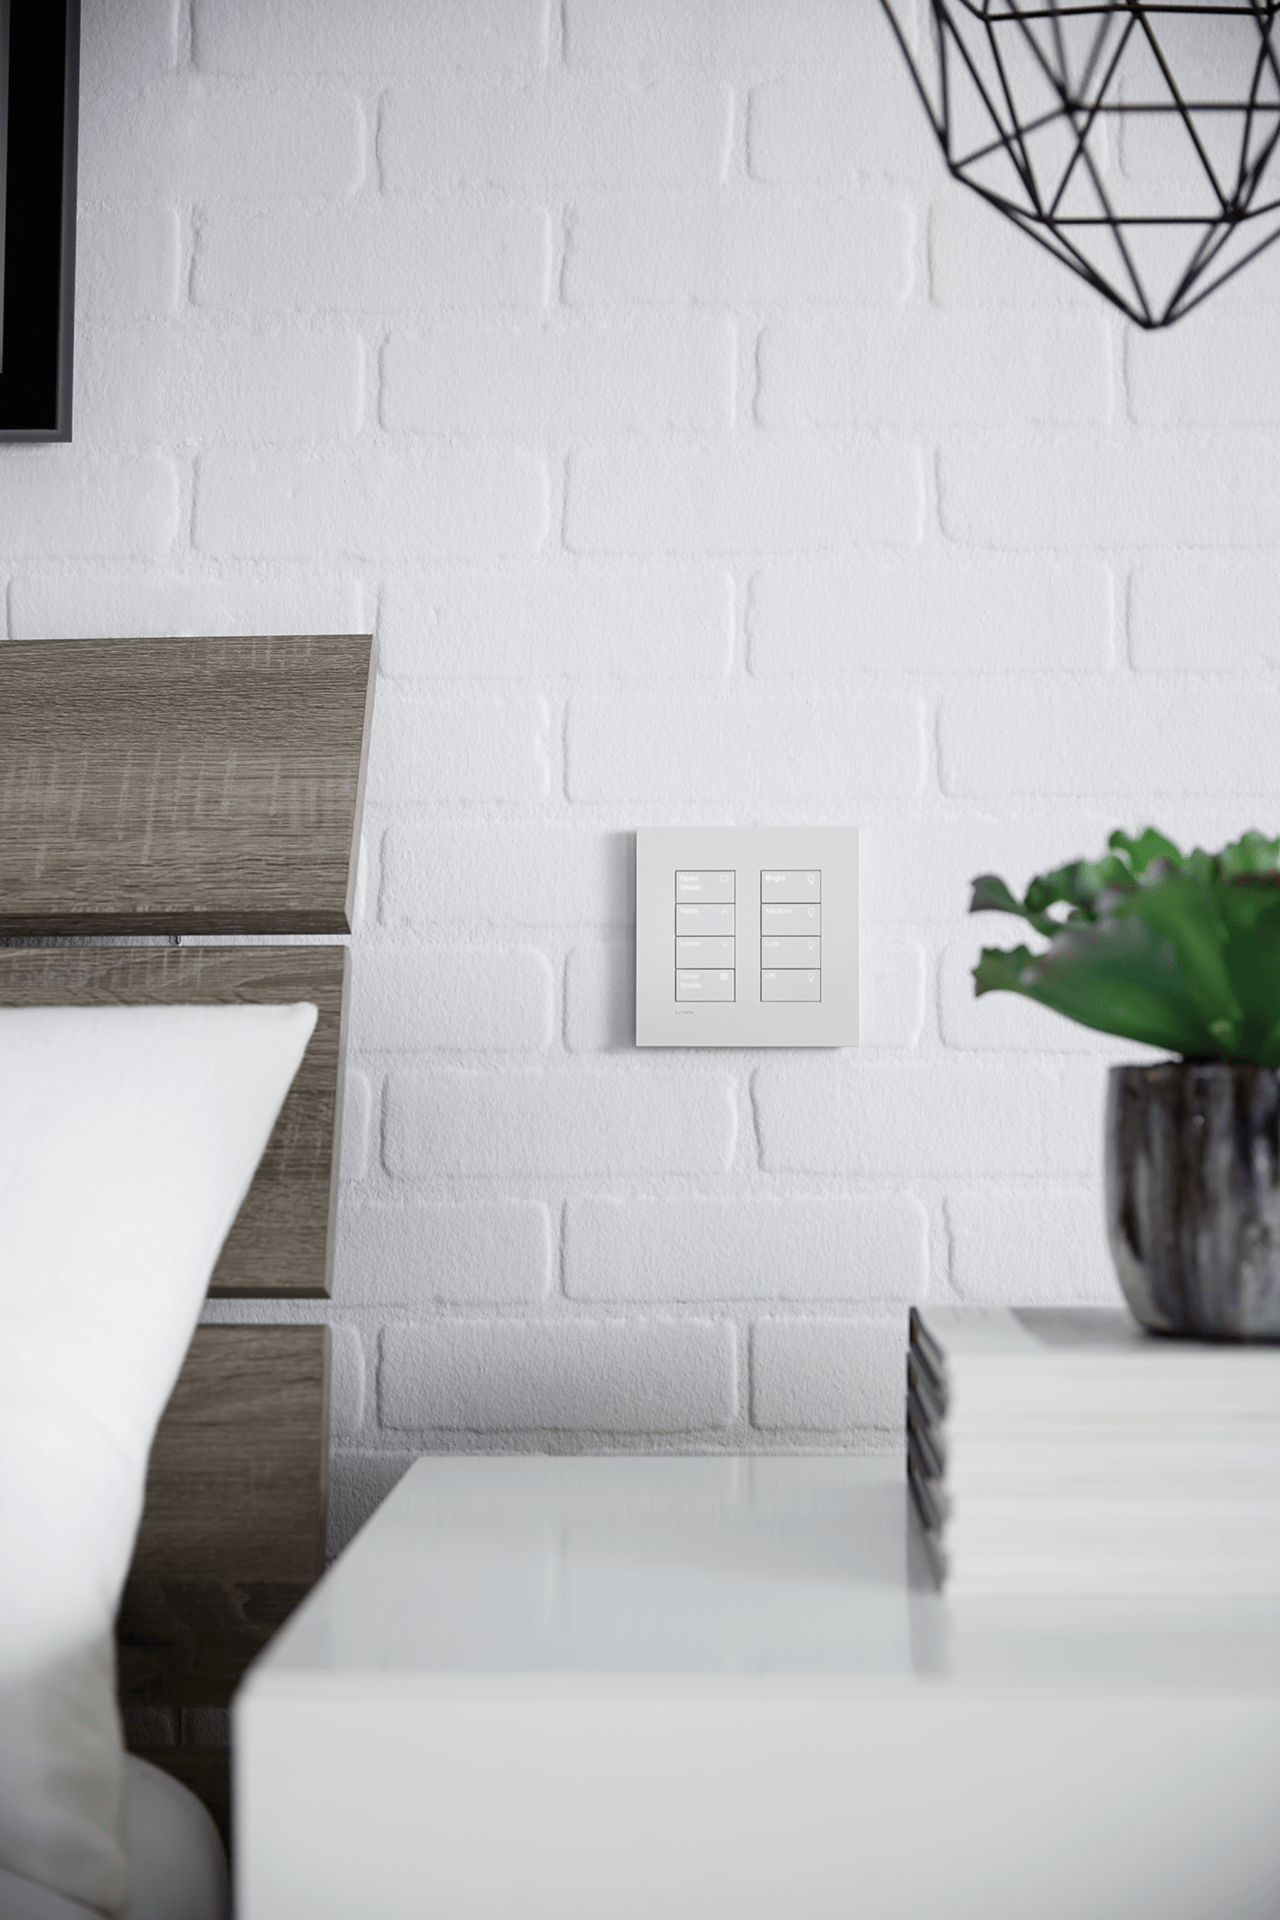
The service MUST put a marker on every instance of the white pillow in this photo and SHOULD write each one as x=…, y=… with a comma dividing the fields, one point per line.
x=128, y=1139
x=177, y=1869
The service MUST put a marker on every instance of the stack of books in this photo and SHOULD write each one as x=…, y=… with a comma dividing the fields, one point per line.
x=1066, y=1451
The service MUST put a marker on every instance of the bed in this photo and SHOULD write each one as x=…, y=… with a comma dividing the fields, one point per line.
x=174, y=815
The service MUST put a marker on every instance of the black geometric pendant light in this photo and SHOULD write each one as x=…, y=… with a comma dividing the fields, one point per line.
x=1132, y=140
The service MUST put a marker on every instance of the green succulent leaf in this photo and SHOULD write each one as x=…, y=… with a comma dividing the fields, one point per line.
x=1000, y=969
x=1251, y=854
x=1179, y=951
x=990, y=892
x=1149, y=846
x=1249, y=904
x=1253, y=960
x=1201, y=866
x=1124, y=982
x=1082, y=884
x=1185, y=912
x=991, y=895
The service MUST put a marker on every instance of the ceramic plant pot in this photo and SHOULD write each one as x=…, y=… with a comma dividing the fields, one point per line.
x=1193, y=1197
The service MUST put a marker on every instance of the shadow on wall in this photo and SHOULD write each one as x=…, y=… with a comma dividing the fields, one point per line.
x=600, y=1013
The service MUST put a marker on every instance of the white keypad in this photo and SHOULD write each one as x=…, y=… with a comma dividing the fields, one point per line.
x=703, y=984
x=706, y=923
x=790, y=984
x=704, y=920
x=791, y=886
x=705, y=889
x=790, y=920
x=791, y=953
x=747, y=936
x=790, y=929
x=706, y=953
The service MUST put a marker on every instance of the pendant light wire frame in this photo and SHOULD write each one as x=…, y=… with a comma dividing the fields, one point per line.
x=964, y=29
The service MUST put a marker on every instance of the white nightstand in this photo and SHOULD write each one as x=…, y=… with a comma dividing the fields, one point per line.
x=712, y=1689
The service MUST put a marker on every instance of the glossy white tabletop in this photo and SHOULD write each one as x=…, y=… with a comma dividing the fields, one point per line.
x=568, y=1688
x=534, y=1565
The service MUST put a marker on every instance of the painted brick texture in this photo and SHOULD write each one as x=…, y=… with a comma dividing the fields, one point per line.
x=584, y=132
x=574, y=1376
x=477, y=1125
x=551, y=381
x=854, y=249
x=806, y=1249
x=699, y=452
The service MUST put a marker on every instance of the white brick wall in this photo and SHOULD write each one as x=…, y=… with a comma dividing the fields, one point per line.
x=465, y=503
x=587, y=132
x=86, y=507
x=636, y=621
x=462, y=1254
x=128, y=261
x=950, y=616
x=522, y=873
x=743, y=497
x=476, y=1124
x=300, y=143
x=504, y=38
x=141, y=385
x=700, y=452
x=739, y=250
x=598, y=377
x=425, y=749
x=1128, y=738
x=827, y=1376
x=815, y=1248
x=572, y=1376
x=1143, y=489
x=750, y=748
x=850, y=370
x=378, y=256
x=456, y=999
x=873, y=1118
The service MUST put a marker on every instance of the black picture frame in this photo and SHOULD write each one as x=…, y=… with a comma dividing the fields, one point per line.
x=38, y=218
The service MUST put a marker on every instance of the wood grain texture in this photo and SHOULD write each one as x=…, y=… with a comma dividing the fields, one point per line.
x=182, y=786
x=282, y=1240
x=232, y=1536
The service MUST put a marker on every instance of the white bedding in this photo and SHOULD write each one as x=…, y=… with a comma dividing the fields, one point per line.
x=177, y=1868
x=128, y=1139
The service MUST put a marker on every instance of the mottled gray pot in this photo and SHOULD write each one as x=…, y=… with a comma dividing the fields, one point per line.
x=1193, y=1197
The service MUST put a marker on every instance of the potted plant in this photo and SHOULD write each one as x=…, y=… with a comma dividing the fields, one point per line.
x=1181, y=951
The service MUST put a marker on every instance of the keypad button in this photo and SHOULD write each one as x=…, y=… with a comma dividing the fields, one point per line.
x=705, y=889
x=791, y=952
x=790, y=920
x=791, y=983
x=704, y=983
x=704, y=953
x=715, y=920
x=799, y=884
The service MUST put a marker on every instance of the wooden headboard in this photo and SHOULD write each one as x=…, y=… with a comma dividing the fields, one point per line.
x=204, y=787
